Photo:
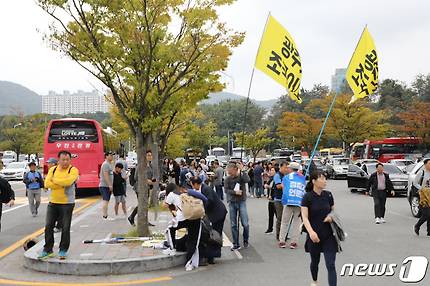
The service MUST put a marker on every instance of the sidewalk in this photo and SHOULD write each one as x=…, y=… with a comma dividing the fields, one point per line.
x=103, y=258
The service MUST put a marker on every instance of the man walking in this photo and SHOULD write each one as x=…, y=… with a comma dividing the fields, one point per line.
x=219, y=174
x=380, y=184
x=294, y=190
x=277, y=198
x=422, y=183
x=7, y=195
x=106, y=183
x=33, y=181
x=235, y=188
x=258, y=180
x=61, y=180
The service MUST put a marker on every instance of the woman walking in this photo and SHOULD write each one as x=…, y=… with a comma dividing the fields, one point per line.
x=316, y=207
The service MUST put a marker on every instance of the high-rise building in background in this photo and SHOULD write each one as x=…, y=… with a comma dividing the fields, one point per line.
x=338, y=80
x=74, y=103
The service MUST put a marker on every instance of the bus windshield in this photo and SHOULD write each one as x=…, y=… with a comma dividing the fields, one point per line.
x=73, y=131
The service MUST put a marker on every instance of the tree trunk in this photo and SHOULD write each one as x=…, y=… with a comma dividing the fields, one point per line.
x=142, y=143
x=156, y=170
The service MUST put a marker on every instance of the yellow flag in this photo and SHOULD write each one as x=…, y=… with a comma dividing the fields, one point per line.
x=279, y=58
x=363, y=72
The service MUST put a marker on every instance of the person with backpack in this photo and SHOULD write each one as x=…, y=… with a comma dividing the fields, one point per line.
x=187, y=211
x=317, y=204
x=33, y=181
x=422, y=184
x=52, y=162
x=293, y=192
x=235, y=188
x=61, y=180
x=7, y=195
x=119, y=191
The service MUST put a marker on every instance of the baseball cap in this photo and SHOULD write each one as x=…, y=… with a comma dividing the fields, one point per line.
x=294, y=165
x=52, y=160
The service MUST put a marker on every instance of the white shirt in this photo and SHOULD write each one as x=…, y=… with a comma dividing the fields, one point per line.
x=174, y=199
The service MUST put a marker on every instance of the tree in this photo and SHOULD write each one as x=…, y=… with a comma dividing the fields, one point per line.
x=299, y=130
x=421, y=87
x=355, y=122
x=416, y=122
x=146, y=53
x=393, y=96
x=255, y=141
x=229, y=116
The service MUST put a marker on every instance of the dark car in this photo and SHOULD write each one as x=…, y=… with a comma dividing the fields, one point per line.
x=319, y=166
x=358, y=177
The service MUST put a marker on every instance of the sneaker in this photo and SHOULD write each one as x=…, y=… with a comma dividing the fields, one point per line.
x=131, y=221
x=382, y=220
x=269, y=231
x=293, y=245
x=237, y=247
x=189, y=267
x=169, y=251
x=45, y=255
x=417, y=230
x=314, y=283
x=282, y=245
x=246, y=244
x=108, y=218
x=62, y=255
x=34, y=214
x=377, y=220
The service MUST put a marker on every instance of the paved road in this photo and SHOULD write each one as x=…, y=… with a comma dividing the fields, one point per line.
x=265, y=264
x=17, y=222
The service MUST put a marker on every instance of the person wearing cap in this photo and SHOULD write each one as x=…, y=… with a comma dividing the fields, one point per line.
x=33, y=181
x=106, y=183
x=293, y=192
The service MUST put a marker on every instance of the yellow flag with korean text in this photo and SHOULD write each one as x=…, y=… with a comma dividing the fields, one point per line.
x=363, y=73
x=279, y=58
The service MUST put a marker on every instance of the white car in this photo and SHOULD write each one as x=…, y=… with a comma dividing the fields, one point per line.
x=401, y=163
x=14, y=171
x=413, y=196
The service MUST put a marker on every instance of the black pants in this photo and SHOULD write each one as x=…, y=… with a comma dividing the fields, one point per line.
x=272, y=214
x=425, y=217
x=219, y=192
x=193, y=227
x=54, y=213
x=330, y=263
x=379, y=200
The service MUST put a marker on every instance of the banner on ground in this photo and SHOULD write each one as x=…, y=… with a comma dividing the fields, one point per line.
x=294, y=189
x=363, y=73
x=279, y=58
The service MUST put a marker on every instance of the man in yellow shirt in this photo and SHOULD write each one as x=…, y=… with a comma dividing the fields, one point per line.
x=61, y=180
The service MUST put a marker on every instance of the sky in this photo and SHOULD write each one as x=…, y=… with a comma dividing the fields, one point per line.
x=325, y=31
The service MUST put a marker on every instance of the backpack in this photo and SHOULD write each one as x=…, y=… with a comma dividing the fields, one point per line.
x=70, y=168
x=6, y=192
x=192, y=208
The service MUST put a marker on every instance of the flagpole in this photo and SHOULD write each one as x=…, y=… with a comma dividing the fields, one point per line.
x=330, y=109
x=320, y=135
x=249, y=92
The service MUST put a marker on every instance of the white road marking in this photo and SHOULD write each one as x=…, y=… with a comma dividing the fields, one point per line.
x=227, y=243
x=14, y=208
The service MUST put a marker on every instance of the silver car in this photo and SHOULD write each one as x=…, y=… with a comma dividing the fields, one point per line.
x=338, y=167
x=413, y=196
x=14, y=171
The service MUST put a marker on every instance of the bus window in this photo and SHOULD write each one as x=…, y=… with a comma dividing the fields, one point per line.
x=73, y=131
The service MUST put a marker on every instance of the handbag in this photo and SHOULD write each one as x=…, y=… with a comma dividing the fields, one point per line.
x=210, y=235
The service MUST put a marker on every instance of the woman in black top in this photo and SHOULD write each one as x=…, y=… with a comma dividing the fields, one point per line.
x=316, y=206
x=251, y=177
x=270, y=186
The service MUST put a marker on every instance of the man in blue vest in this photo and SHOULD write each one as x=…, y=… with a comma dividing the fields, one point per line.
x=34, y=183
x=293, y=192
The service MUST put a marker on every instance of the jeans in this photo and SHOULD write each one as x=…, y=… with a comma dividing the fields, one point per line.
x=34, y=200
x=235, y=209
x=330, y=263
x=259, y=191
x=272, y=213
x=379, y=200
x=288, y=225
x=54, y=213
x=219, y=192
x=425, y=217
x=279, y=208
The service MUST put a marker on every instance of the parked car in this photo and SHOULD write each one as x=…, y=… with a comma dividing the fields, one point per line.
x=320, y=166
x=365, y=161
x=14, y=171
x=409, y=168
x=338, y=167
x=358, y=177
x=413, y=196
x=8, y=157
x=401, y=163
x=296, y=158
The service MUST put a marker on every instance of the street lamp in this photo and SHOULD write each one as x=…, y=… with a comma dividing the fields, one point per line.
x=16, y=125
